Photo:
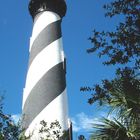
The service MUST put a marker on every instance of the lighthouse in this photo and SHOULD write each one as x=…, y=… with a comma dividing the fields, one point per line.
x=45, y=96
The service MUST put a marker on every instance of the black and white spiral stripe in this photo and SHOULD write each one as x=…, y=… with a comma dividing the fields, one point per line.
x=45, y=90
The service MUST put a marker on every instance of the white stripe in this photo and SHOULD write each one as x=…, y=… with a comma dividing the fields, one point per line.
x=56, y=110
x=44, y=61
x=43, y=20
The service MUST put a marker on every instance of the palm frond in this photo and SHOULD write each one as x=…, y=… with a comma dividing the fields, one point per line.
x=113, y=130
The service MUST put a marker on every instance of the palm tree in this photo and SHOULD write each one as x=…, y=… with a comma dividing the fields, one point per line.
x=114, y=130
x=122, y=96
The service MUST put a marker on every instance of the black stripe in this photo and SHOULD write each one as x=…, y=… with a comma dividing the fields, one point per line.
x=47, y=89
x=48, y=35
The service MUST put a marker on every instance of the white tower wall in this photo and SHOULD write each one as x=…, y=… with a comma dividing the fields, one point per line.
x=45, y=96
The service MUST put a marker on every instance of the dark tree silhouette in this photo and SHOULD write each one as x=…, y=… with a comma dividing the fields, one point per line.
x=11, y=131
x=121, y=94
x=123, y=45
x=8, y=129
x=81, y=137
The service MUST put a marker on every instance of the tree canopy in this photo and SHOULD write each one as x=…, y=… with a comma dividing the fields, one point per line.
x=122, y=45
x=122, y=93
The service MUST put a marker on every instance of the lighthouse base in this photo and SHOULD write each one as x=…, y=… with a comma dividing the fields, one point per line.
x=52, y=131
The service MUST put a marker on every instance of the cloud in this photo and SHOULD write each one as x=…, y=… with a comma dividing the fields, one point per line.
x=16, y=118
x=83, y=122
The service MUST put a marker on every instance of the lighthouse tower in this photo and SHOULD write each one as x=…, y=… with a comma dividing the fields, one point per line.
x=44, y=96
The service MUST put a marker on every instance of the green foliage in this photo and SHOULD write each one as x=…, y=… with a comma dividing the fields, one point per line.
x=8, y=129
x=53, y=131
x=11, y=131
x=81, y=137
x=113, y=130
x=122, y=45
x=47, y=131
x=121, y=94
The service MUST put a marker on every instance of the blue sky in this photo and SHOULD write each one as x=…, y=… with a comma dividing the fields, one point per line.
x=82, y=69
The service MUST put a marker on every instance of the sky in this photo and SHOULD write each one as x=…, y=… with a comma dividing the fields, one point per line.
x=82, y=69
